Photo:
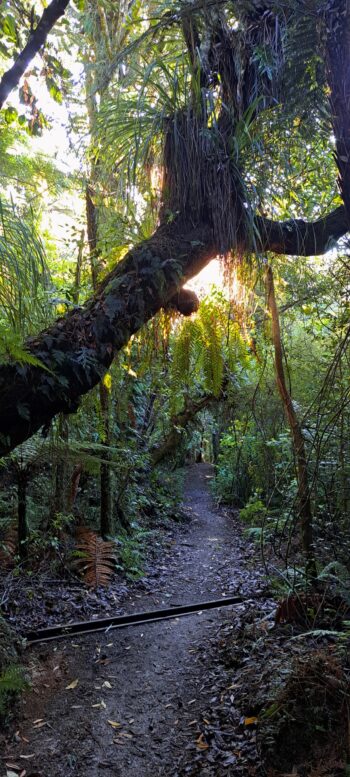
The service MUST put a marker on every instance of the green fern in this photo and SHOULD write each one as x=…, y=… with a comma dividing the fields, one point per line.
x=212, y=356
x=187, y=344
x=12, y=681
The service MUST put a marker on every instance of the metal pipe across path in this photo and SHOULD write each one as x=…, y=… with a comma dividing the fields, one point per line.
x=62, y=631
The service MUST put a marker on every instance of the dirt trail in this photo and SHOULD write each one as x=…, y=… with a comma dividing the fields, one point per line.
x=134, y=692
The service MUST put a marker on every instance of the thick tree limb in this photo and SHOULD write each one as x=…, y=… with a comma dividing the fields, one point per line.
x=37, y=39
x=79, y=348
x=301, y=238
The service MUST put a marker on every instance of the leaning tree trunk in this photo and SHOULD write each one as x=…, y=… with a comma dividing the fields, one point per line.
x=304, y=498
x=180, y=421
x=77, y=350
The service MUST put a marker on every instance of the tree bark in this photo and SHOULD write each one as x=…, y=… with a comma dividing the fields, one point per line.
x=78, y=349
x=304, y=499
x=11, y=78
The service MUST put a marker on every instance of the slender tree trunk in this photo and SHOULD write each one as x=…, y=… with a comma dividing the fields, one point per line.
x=23, y=530
x=106, y=476
x=78, y=269
x=60, y=498
x=37, y=39
x=304, y=498
x=61, y=476
x=106, y=485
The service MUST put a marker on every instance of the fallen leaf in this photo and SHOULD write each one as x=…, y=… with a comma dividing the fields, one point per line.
x=106, y=684
x=72, y=685
x=250, y=721
x=114, y=723
x=201, y=743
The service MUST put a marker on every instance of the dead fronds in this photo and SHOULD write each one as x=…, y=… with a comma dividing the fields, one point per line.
x=94, y=558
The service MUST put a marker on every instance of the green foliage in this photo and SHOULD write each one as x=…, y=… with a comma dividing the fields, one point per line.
x=204, y=347
x=23, y=272
x=153, y=127
x=254, y=512
x=12, y=682
x=131, y=553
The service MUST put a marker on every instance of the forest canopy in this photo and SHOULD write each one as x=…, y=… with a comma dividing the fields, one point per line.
x=210, y=129
x=174, y=291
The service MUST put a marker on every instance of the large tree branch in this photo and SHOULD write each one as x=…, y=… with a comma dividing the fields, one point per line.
x=301, y=238
x=79, y=348
x=37, y=39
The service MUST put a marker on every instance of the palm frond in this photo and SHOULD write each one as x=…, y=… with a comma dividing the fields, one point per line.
x=23, y=271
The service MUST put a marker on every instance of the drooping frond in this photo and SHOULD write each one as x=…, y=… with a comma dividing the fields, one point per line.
x=186, y=346
x=23, y=271
x=212, y=356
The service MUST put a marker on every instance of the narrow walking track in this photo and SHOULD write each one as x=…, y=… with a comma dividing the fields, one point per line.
x=125, y=702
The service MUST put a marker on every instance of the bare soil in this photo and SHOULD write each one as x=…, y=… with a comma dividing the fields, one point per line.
x=130, y=701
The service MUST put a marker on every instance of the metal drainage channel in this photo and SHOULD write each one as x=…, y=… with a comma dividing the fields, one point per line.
x=62, y=631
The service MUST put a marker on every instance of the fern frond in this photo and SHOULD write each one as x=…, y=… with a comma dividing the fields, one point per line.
x=12, y=680
x=186, y=346
x=23, y=271
x=212, y=353
x=8, y=547
x=96, y=559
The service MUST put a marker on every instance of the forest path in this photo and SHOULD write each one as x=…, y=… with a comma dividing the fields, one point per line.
x=136, y=692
